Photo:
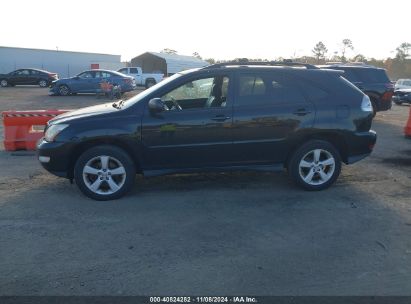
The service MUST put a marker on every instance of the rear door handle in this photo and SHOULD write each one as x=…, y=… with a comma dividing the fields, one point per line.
x=220, y=118
x=301, y=112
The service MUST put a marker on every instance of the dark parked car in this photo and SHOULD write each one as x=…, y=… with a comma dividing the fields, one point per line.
x=89, y=82
x=371, y=80
x=402, y=96
x=231, y=116
x=28, y=77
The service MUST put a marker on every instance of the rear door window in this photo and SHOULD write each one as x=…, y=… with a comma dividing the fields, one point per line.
x=252, y=90
x=285, y=90
x=270, y=89
x=133, y=71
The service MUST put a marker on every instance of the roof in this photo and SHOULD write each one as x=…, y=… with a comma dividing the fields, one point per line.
x=177, y=63
x=49, y=50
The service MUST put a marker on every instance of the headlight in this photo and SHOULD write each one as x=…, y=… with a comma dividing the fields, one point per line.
x=366, y=105
x=53, y=131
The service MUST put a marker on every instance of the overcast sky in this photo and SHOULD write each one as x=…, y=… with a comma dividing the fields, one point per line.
x=217, y=29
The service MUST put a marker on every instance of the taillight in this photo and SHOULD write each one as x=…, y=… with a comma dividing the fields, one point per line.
x=387, y=96
x=389, y=85
x=366, y=105
x=127, y=80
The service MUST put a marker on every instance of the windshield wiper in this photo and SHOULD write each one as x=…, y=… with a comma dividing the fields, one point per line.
x=121, y=103
x=118, y=104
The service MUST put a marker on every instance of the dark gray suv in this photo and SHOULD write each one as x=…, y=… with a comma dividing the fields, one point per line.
x=234, y=116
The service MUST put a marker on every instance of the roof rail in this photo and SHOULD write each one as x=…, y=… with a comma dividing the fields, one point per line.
x=245, y=61
x=349, y=64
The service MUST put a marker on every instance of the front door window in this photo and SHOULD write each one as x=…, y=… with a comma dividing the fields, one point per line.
x=198, y=94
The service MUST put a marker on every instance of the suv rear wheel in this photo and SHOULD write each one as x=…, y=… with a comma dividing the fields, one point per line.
x=104, y=173
x=315, y=165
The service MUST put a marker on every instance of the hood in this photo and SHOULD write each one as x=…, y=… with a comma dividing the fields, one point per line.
x=96, y=111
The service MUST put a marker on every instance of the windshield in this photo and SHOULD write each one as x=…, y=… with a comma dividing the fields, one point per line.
x=142, y=95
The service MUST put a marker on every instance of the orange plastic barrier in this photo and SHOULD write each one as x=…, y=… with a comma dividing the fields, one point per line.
x=407, y=129
x=22, y=129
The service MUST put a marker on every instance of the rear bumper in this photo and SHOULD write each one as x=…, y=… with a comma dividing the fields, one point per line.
x=384, y=105
x=127, y=88
x=360, y=145
x=53, y=89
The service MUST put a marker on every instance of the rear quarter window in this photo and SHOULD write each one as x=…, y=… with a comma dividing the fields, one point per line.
x=369, y=75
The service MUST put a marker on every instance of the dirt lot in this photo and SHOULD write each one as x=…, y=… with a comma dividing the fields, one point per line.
x=208, y=234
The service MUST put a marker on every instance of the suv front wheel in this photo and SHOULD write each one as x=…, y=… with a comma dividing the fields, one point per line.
x=104, y=173
x=315, y=165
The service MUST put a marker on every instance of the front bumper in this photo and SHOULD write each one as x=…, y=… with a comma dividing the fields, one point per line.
x=55, y=157
x=402, y=99
x=53, y=90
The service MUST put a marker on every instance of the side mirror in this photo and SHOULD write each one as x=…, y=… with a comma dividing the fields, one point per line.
x=156, y=105
x=76, y=78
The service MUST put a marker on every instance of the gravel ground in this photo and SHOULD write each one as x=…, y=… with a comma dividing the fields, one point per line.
x=208, y=234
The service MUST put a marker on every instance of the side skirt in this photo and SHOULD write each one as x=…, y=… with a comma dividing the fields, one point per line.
x=265, y=168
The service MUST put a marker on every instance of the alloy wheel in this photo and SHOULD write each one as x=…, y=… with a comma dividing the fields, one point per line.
x=317, y=167
x=64, y=90
x=104, y=175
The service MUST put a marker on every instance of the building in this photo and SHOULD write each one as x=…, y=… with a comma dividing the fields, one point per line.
x=168, y=64
x=65, y=63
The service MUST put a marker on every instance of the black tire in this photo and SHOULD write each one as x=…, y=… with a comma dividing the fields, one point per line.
x=104, y=192
x=374, y=107
x=398, y=103
x=64, y=90
x=4, y=83
x=150, y=83
x=327, y=153
x=43, y=83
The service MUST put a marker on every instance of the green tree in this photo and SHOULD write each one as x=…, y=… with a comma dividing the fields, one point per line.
x=319, y=51
x=359, y=58
x=197, y=55
x=210, y=60
x=346, y=44
x=403, y=51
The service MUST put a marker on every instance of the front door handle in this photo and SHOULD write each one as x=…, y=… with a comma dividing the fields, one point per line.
x=220, y=118
x=301, y=112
